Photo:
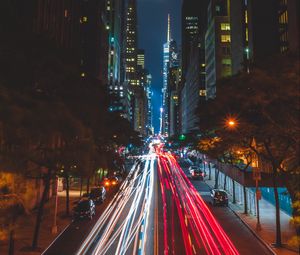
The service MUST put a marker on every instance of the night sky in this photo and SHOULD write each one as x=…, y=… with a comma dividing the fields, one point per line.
x=152, y=34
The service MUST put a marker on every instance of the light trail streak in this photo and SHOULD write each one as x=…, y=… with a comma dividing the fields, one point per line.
x=126, y=217
x=200, y=225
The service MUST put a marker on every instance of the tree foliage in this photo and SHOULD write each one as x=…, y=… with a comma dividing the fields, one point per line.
x=265, y=107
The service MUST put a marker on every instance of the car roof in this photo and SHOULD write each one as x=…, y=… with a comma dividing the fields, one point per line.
x=84, y=200
x=97, y=188
x=219, y=190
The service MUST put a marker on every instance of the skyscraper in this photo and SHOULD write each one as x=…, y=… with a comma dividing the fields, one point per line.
x=117, y=89
x=217, y=45
x=78, y=27
x=131, y=43
x=262, y=28
x=170, y=60
x=141, y=59
x=194, y=24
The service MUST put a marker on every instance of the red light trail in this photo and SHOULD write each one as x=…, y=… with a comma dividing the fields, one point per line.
x=201, y=232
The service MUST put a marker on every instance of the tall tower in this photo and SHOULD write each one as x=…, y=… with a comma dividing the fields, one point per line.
x=131, y=43
x=170, y=59
x=169, y=29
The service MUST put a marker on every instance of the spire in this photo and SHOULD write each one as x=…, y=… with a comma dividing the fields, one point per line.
x=169, y=29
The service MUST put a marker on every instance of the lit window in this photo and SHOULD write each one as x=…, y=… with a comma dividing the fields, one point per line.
x=226, y=61
x=66, y=13
x=84, y=19
x=202, y=92
x=225, y=26
x=247, y=34
x=225, y=38
x=246, y=17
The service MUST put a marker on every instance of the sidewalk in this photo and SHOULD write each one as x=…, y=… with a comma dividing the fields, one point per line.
x=25, y=226
x=268, y=225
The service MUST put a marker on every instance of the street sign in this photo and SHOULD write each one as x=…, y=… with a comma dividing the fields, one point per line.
x=256, y=174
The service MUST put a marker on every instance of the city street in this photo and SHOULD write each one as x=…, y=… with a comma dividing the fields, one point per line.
x=112, y=110
x=244, y=241
x=158, y=210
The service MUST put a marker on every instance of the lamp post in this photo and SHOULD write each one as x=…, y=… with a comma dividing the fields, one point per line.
x=232, y=123
x=257, y=177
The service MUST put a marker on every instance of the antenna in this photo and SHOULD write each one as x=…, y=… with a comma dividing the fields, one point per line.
x=169, y=28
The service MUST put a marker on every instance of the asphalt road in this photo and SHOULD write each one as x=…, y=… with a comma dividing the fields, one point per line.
x=159, y=211
x=245, y=242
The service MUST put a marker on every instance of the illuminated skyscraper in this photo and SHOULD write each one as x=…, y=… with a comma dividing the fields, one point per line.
x=141, y=59
x=262, y=28
x=170, y=60
x=114, y=27
x=131, y=43
x=217, y=45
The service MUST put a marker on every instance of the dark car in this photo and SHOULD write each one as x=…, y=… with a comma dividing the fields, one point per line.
x=85, y=208
x=219, y=197
x=98, y=194
x=196, y=173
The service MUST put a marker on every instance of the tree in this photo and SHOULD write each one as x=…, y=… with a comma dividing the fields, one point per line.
x=11, y=207
x=265, y=107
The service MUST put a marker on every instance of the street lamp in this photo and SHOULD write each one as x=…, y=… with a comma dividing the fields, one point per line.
x=257, y=178
x=231, y=123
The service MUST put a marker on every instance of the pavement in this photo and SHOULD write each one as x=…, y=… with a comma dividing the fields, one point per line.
x=268, y=226
x=25, y=226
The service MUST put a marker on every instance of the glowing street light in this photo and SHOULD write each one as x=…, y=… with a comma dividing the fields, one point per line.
x=231, y=123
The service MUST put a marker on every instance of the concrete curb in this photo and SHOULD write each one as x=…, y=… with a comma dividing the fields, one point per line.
x=57, y=237
x=253, y=232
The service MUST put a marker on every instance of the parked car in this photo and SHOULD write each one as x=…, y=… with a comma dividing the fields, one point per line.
x=98, y=194
x=219, y=197
x=196, y=173
x=85, y=208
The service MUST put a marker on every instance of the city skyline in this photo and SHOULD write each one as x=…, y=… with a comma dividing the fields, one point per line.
x=154, y=45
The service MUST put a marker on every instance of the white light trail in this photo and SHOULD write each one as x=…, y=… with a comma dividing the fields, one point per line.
x=124, y=223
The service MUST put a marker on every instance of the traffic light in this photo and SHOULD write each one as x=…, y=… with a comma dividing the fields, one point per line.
x=182, y=137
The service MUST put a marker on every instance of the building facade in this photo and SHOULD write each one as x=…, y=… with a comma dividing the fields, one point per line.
x=194, y=88
x=194, y=24
x=217, y=45
x=170, y=61
x=262, y=28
